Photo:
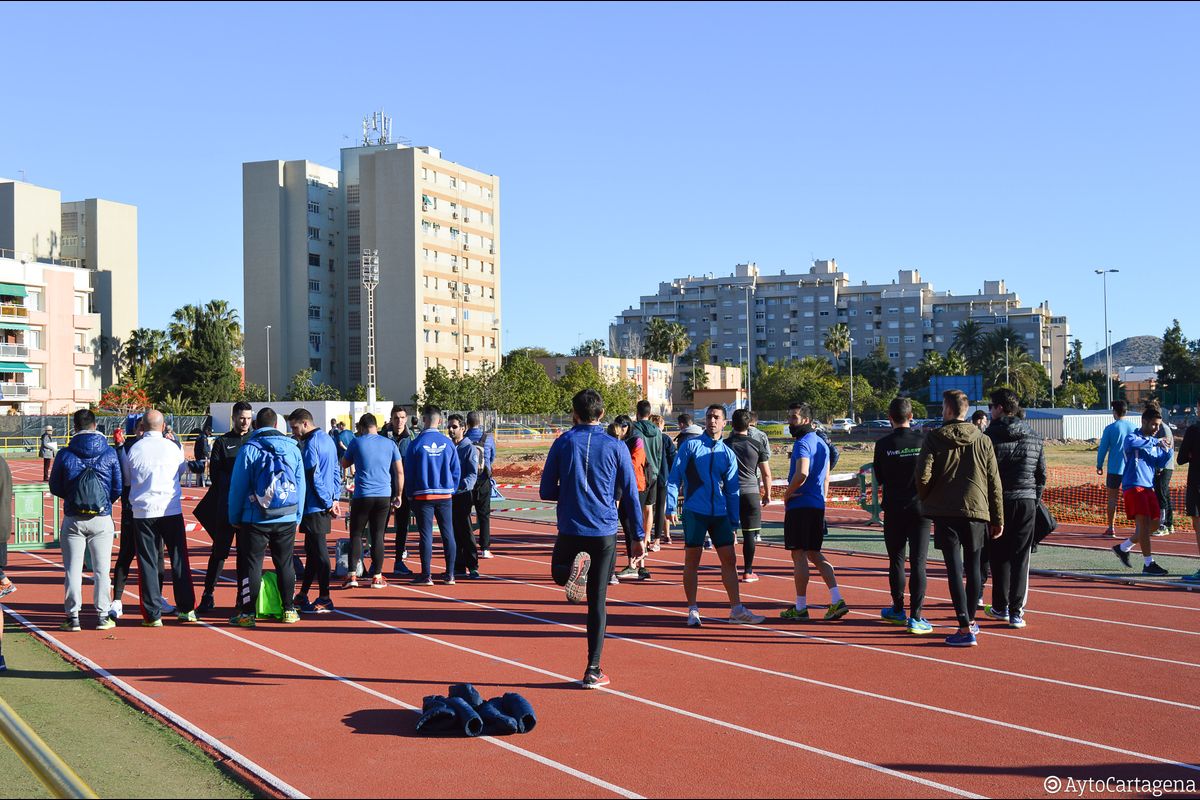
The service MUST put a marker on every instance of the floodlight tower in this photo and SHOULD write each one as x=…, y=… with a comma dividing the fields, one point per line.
x=370, y=279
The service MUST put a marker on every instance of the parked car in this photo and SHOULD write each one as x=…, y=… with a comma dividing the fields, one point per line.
x=845, y=425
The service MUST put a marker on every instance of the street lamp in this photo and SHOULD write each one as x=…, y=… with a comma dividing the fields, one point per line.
x=268, y=363
x=370, y=279
x=742, y=366
x=851, y=340
x=1007, y=380
x=749, y=353
x=1103, y=273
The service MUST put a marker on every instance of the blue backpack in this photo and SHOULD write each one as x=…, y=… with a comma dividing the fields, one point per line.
x=273, y=486
x=89, y=494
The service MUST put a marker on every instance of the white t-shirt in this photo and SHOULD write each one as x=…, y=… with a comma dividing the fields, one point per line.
x=155, y=465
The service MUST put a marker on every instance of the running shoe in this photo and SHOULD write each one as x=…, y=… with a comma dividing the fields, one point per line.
x=1121, y=554
x=166, y=608
x=351, y=582
x=576, y=585
x=402, y=570
x=300, y=600
x=322, y=605
x=594, y=678
x=746, y=617
x=152, y=623
x=749, y=577
x=107, y=623
x=207, y=604
x=1163, y=531
x=757, y=537
x=115, y=610
x=447, y=579
x=1109, y=533
x=666, y=539
x=422, y=580
x=613, y=580
x=7, y=587
x=486, y=554
x=643, y=574
x=707, y=543
x=693, y=620
x=473, y=575
x=629, y=572
x=962, y=640
x=974, y=628
x=290, y=617
x=995, y=613
x=70, y=624
x=1193, y=578
x=655, y=546
x=793, y=614
x=919, y=627
x=1153, y=568
x=837, y=610
x=1016, y=621
x=378, y=582
x=187, y=616
x=242, y=620
x=893, y=617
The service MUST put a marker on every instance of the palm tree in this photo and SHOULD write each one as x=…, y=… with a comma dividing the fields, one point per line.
x=180, y=330
x=953, y=363
x=227, y=318
x=145, y=346
x=968, y=340
x=837, y=341
x=677, y=342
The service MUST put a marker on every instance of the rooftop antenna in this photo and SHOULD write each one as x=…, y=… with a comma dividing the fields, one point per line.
x=378, y=125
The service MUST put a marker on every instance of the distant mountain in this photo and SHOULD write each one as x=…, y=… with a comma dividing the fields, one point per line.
x=1134, y=351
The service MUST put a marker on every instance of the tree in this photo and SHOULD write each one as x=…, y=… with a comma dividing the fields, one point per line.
x=592, y=347
x=968, y=340
x=145, y=346
x=124, y=399
x=184, y=321
x=810, y=380
x=204, y=372
x=441, y=389
x=837, y=341
x=1179, y=364
x=227, y=318
x=665, y=341
x=877, y=368
x=302, y=388
x=359, y=394
x=916, y=378
x=696, y=379
x=520, y=386
x=252, y=393
x=1073, y=366
x=533, y=352
x=1076, y=395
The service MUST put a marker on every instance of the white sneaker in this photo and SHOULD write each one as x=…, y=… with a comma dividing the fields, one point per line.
x=693, y=620
x=746, y=617
x=116, y=610
x=1163, y=531
x=167, y=608
x=486, y=554
x=614, y=580
x=404, y=555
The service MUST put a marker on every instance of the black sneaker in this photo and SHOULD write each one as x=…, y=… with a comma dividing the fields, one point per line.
x=1154, y=569
x=594, y=678
x=1121, y=554
x=402, y=569
x=643, y=574
x=207, y=604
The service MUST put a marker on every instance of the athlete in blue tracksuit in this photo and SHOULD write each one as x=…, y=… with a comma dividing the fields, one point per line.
x=431, y=475
x=712, y=507
x=482, y=495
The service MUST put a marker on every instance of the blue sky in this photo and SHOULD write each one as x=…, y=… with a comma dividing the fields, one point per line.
x=636, y=143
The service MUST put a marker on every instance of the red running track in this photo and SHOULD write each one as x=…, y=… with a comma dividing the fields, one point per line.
x=1100, y=685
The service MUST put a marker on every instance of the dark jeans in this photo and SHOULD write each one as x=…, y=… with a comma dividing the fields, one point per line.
x=425, y=511
x=467, y=554
x=905, y=529
x=368, y=513
x=400, y=519
x=603, y=550
x=152, y=534
x=253, y=543
x=482, y=502
x=127, y=551
x=660, y=512
x=316, y=528
x=1010, y=556
x=1162, y=489
x=961, y=542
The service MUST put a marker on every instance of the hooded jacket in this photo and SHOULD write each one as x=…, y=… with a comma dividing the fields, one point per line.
x=242, y=508
x=1020, y=456
x=957, y=474
x=690, y=432
x=87, y=448
x=653, y=439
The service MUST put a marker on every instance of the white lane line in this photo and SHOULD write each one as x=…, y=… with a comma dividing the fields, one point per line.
x=277, y=783
x=395, y=701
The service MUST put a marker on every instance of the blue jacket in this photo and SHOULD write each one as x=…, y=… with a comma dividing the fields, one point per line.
x=242, y=508
x=322, y=472
x=711, y=471
x=466, y=462
x=668, y=454
x=431, y=466
x=590, y=475
x=1112, y=444
x=86, y=448
x=489, y=447
x=1144, y=456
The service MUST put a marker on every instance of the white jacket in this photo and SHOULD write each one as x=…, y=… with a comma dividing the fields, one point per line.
x=155, y=465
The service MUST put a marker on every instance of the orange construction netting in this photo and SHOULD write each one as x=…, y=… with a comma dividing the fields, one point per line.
x=1077, y=496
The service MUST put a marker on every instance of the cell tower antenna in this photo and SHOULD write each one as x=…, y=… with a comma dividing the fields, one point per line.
x=376, y=129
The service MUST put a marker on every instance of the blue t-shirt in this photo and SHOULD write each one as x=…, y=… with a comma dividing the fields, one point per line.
x=812, y=493
x=372, y=456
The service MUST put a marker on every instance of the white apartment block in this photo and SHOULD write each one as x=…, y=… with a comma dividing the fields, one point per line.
x=436, y=226
x=787, y=316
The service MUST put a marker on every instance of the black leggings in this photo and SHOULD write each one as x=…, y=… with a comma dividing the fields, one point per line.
x=400, y=519
x=253, y=543
x=603, y=550
x=906, y=530
x=367, y=512
x=660, y=512
x=222, y=540
x=482, y=500
x=957, y=540
x=748, y=550
x=316, y=527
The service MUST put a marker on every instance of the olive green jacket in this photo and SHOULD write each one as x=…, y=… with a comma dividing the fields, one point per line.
x=957, y=475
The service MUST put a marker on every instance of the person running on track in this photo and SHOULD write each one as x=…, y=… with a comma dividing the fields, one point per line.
x=1189, y=452
x=754, y=466
x=590, y=476
x=1112, y=445
x=712, y=507
x=1145, y=454
x=216, y=499
x=804, y=514
x=378, y=483
x=322, y=504
x=903, y=525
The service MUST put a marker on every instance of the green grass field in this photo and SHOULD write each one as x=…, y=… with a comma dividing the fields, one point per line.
x=115, y=749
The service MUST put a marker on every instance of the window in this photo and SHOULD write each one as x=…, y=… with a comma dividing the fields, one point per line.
x=79, y=378
x=356, y=346
x=808, y=313
x=854, y=312
x=760, y=315
x=894, y=325
x=352, y=193
x=808, y=299
x=314, y=341
x=824, y=313
x=314, y=285
x=893, y=340
x=809, y=342
x=354, y=294
x=314, y=364
x=314, y=234
x=910, y=339
x=894, y=310
x=910, y=309
x=453, y=182
x=314, y=207
x=893, y=355
x=314, y=312
x=824, y=298
x=314, y=259
x=352, y=218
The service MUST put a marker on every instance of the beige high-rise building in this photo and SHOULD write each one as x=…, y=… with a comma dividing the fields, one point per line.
x=436, y=226
x=96, y=236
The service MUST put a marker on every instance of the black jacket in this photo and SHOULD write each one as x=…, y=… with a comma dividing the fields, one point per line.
x=895, y=466
x=222, y=459
x=1021, y=458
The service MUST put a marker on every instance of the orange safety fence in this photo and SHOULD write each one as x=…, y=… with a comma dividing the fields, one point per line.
x=1077, y=495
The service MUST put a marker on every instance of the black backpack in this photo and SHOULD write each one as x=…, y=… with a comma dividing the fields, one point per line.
x=89, y=495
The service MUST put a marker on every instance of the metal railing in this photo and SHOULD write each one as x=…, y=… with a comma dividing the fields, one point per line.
x=13, y=390
x=18, y=255
x=14, y=310
x=59, y=779
x=14, y=350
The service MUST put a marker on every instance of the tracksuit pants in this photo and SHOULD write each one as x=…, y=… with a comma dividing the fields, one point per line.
x=152, y=534
x=1010, y=556
x=425, y=511
x=255, y=540
x=903, y=530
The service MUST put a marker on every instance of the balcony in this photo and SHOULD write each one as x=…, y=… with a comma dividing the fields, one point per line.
x=13, y=311
x=14, y=391
x=84, y=358
x=14, y=351
x=86, y=396
x=87, y=321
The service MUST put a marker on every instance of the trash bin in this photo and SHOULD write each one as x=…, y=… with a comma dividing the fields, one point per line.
x=36, y=517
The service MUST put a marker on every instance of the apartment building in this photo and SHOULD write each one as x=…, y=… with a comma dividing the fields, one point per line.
x=665, y=389
x=95, y=240
x=436, y=227
x=751, y=315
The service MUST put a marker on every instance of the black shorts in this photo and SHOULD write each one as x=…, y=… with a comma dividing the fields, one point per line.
x=1113, y=480
x=804, y=528
x=650, y=496
x=751, y=511
x=1191, y=497
x=318, y=522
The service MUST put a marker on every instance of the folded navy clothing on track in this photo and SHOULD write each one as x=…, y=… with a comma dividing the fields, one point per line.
x=436, y=715
x=465, y=716
x=519, y=709
x=467, y=692
x=495, y=721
